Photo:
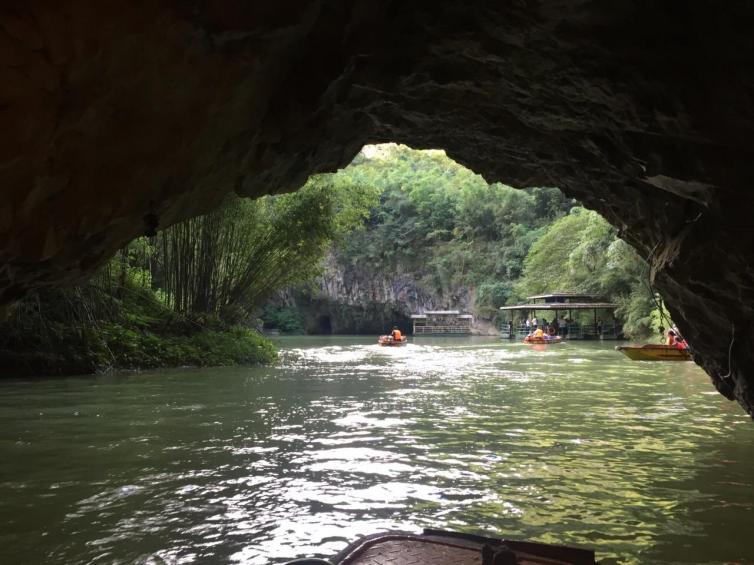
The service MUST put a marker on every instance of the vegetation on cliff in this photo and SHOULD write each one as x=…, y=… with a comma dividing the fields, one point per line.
x=455, y=235
x=581, y=252
x=227, y=262
x=444, y=226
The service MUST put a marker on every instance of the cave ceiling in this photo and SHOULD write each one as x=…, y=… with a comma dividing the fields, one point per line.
x=118, y=119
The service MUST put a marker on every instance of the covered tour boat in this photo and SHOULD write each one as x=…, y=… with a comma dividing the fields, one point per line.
x=389, y=341
x=437, y=547
x=654, y=352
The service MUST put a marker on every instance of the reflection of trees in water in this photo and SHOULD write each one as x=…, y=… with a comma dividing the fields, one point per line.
x=596, y=454
x=569, y=445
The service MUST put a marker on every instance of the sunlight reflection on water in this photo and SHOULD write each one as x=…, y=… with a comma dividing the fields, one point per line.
x=573, y=444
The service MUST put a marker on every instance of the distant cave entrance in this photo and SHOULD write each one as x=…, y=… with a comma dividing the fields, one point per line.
x=324, y=325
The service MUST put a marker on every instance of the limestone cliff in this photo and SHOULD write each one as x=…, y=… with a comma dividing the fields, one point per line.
x=122, y=118
x=352, y=286
x=357, y=301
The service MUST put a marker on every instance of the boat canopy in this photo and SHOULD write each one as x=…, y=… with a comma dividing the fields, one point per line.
x=562, y=306
x=562, y=295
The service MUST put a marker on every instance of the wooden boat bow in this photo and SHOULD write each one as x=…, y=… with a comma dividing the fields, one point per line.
x=438, y=547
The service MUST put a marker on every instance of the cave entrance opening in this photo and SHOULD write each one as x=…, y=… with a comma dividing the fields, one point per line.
x=324, y=325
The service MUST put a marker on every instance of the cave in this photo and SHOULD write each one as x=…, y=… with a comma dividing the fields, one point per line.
x=119, y=120
x=324, y=326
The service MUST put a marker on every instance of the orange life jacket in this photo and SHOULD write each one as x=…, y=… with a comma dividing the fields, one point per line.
x=397, y=335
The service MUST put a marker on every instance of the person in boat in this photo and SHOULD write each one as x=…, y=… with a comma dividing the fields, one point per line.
x=680, y=341
x=396, y=334
x=538, y=333
x=678, y=335
x=670, y=341
x=676, y=340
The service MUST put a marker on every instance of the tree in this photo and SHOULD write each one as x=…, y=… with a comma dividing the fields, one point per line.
x=443, y=225
x=227, y=262
x=582, y=253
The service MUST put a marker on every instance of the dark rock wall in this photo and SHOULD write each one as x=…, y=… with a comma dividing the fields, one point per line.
x=121, y=118
x=364, y=302
x=326, y=316
x=351, y=286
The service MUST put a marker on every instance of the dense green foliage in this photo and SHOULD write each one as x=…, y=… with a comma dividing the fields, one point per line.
x=227, y=262
x=453, y=233
x=116, y=322
x=188, y=296
x=445, y=224
x=577, y=253
x=581, y=252
x=284, y=318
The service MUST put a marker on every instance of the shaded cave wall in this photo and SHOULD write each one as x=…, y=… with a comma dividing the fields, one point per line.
x=122, y=119
x=325, y=316
x=362, y=301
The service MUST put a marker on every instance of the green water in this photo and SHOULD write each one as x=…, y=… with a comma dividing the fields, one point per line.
x=575, y=444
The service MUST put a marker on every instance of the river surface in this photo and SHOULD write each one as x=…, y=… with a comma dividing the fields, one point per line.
x=575, y=444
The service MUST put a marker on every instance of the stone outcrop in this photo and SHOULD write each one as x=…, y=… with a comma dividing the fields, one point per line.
x=356, y=301
x=349, y=285
x=118, y=119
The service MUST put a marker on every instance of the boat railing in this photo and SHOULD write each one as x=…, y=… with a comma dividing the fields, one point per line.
x=600, y=331
x=571, y=331
x=521, y=331
x=575, y=331
x=609, y=331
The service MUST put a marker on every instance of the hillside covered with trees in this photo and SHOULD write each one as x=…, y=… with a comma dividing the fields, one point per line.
x=442, y=237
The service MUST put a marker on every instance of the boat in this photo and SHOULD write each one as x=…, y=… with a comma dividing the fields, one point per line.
x=654, y=352
x=438, y=547
x=389, y=341
x=543, y=339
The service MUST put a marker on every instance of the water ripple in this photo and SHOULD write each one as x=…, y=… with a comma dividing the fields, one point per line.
x=573, y=444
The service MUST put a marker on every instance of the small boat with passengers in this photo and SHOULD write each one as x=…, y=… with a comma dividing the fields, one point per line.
x=541, y=337
x=654, y=352
x=390, y=341
x=438, y=547
x=544, y=339
x=393, y=339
